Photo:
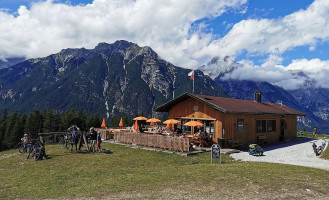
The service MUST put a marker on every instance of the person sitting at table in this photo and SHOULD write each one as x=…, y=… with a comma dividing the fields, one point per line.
x=160, y=130
x=178, y=131
x=199, y=133
x=141, y=128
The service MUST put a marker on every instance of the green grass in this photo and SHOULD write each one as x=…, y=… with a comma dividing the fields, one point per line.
x=140, y=174
x=309, y=135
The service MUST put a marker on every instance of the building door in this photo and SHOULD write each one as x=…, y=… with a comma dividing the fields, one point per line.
x=283, y=127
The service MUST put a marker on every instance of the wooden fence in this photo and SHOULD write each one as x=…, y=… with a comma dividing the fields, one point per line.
x=157, y=141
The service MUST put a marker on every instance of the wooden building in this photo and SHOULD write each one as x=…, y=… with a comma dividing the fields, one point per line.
x=235, y=121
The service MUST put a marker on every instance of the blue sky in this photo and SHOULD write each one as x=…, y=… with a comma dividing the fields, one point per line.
x=268, y=38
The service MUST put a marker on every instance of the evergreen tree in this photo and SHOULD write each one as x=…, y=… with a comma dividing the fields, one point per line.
x=80, y=120
x=115, y=120
x=3, y=124
x=33, y=124
x=68, y=119
x=11, y=130
x=48, y=124
x=57, y=123
x=96, y=120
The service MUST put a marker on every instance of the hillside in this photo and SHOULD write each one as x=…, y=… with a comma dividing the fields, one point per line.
x=111, y=79
x=129, y=173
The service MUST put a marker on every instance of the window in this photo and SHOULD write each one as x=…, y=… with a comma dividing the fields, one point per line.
x=240, y=124
x=271, y=125
x=265, y=126
x=208, y=127
x=260, y=126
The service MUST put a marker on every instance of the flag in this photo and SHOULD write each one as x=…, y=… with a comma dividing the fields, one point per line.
x=191, y=75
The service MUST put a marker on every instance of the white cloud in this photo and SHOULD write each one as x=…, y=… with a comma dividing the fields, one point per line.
x=169, y=28
x=284, y=76
x=273, y=36
x=48, y=27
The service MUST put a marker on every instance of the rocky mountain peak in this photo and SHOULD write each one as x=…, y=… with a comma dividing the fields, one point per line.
x=219, y=66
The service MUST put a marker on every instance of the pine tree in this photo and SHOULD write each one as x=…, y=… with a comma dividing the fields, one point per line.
x=97, y=121
x=3, y=124
x=57, y=123
x=11, y=130
x=34, y=123
x=68, y=118
x=48, y=124
x=80, y=120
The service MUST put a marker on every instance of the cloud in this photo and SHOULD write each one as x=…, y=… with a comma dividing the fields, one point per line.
x=47, y=27
x=290, y=77
x=315, y=69
x=275, y=36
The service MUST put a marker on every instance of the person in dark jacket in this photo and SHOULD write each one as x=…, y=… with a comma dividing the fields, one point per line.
x=93, y=138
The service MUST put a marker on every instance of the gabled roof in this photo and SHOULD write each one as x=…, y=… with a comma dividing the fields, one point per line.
x=229, y=105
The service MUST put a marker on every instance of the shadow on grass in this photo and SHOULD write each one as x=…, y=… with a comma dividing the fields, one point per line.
x=106, y=151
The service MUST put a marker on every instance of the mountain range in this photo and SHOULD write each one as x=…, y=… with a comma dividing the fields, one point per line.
x=308, y=98
x=124, y=78
x=111, y=79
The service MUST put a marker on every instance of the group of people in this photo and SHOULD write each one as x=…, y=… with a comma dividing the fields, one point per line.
x=73, y=138
x=93, y=136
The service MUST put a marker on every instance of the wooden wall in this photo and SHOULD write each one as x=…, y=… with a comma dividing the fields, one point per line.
x=228, y=122
x=291, y=126
x=186, y=109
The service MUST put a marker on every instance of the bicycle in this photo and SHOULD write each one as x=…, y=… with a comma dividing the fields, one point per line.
x=22, y=148
x=37, y=150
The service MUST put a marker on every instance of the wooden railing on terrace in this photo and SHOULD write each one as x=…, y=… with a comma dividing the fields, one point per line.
x=157, y=141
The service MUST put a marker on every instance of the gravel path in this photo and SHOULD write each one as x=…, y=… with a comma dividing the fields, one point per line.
x=298, y=151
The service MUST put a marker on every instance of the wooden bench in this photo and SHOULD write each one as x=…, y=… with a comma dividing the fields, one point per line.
x=262, y=139
x=234, y=143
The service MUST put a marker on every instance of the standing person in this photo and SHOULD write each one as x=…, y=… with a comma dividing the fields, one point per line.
x=25, y=141
x=99, y=141
x=74, y=135
x=314, y=132
x=93, y=138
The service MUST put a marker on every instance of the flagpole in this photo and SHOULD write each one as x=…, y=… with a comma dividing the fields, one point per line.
x=193, y=83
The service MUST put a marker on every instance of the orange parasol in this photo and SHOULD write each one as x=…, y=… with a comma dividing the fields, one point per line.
x=103, y=123
x=121, y=123
x=169, y=126
x=136, y=127
x=153, y=120
x=171, y=121
x=140, y=118
x=193, y=123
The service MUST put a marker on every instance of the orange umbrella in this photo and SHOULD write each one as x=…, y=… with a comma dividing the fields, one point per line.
x=171, y=121
x=103, y=123
x=169, y=126
x=153, y=120
x=136, y=125
x=193, y=123
x=121, y=123
x=140, y=118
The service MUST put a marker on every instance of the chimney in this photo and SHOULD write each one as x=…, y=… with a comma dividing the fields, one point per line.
x=258, y=96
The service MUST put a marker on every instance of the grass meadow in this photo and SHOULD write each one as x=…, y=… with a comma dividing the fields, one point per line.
x=129, y=173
